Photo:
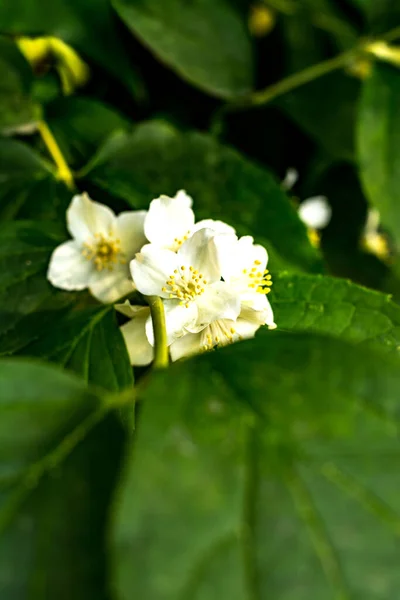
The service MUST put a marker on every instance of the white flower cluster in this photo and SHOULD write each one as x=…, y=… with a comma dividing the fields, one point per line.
x=213, y=285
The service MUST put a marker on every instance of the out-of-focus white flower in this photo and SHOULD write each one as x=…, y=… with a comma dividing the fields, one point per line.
x=189, y=281
x=315, y=212
x=171, y=221
x=372, y=239
x=98, y=256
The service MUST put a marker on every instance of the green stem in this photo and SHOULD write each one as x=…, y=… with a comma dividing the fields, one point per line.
x=161, y=358
x=262, y=97
x=63, y=171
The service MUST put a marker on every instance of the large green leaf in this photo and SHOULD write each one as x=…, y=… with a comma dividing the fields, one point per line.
x=56, y=477
x=338, y=308
x=379, y=144
x=39, y=320
x=156, y=159
x=17, y=109
x=29, y=188
x=204, y=41
x=90, y=27
x=80, y=125
x=269, y=471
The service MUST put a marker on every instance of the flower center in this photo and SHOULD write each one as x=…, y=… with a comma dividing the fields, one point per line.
x=104, y=252
x=185, y=284
x=259, y=281
x=218, y=333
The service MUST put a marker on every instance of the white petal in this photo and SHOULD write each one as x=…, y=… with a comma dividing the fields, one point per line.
x=110, y=286
x=129, y=228
x=169, y=218
x=216, y=226
x=127, y=309
x=201, y=252
x=315, y=212
x=177, y=320
x=218, y=301
x=85, y=218
x=245, y=329
x=237, y=256
x=68, y=269
x=258, y=311
x=152, y=268
x=187, y=345
x=139, y=350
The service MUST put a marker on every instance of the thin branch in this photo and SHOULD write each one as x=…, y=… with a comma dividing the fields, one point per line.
x=265, y=96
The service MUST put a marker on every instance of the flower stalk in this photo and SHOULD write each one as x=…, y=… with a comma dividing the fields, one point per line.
x=64, y=172
x=161, y=358
x=270, y=93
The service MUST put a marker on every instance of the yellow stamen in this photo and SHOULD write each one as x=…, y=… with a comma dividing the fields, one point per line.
x=105, y=252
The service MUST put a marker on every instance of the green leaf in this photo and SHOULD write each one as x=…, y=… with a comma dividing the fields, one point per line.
x=204, y=41
x=336, y=307
x=270, y=471
x=379, y=144
x=56, y=478
x=80, y=125
x=28, y=303
x=29, y=188
x=89, y=27
x=156, y=159
x=38, y=320
x=17, y=110
x=90, y=343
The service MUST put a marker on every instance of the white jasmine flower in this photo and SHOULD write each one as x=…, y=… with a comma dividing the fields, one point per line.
x=243, y=267
x=98, y=255
x=189, y=281
x=315, y=212
x=170, y=221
